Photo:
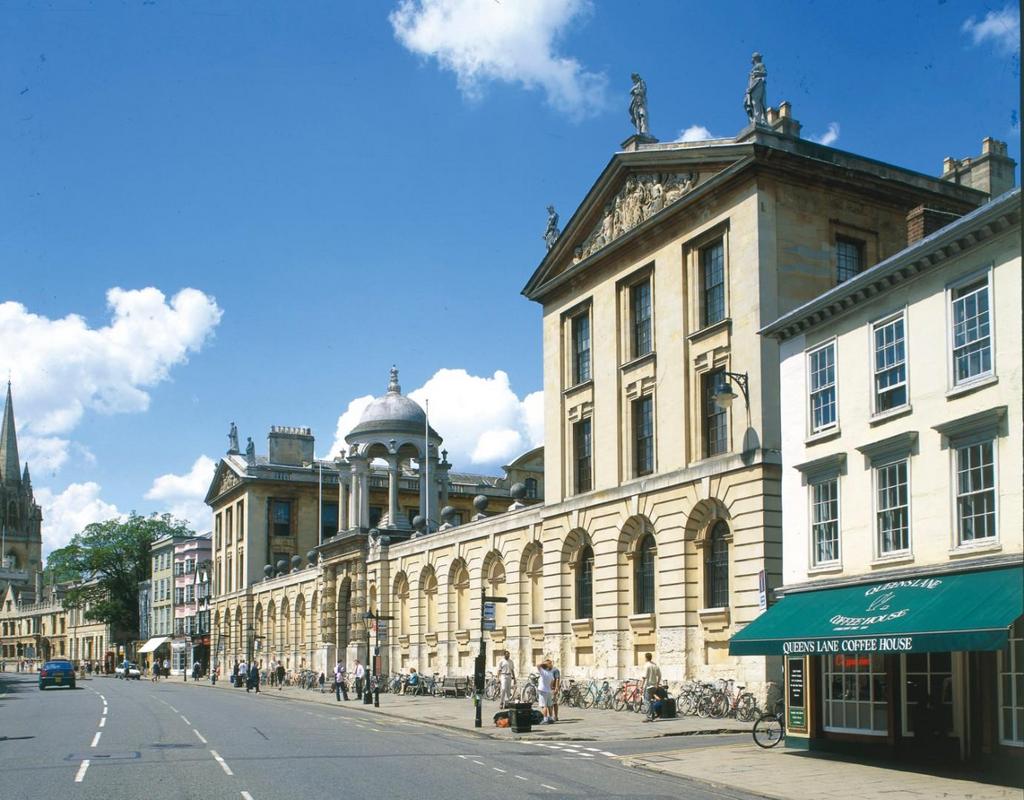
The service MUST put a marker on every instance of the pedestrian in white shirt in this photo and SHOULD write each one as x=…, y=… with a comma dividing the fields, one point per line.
x=360, y=674
x=507, y=676
x=546, y=687
x=652, y=678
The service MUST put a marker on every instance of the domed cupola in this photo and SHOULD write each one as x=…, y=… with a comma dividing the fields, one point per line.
x=391, y=415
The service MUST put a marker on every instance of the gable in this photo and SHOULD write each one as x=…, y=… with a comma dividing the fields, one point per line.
x=224, y=480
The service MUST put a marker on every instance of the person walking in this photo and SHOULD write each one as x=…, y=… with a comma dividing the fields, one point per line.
x=339, y=682
x=506, y=677
x=280, y=675
x=652, y=680
x=254, y=676
x=360, y=673
x=547, y=679
x=243, y=676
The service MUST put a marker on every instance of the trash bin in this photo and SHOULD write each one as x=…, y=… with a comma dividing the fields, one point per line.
x=519, y=717
x=668, y=708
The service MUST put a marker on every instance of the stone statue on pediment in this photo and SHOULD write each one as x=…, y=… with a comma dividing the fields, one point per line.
x=233, y=439
x=250, y=452
x=755, y=100
x=552, y=233
x=638, y=105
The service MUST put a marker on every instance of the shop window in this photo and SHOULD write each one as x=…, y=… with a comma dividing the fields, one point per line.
x=643, y=575
x=854, y=690
x=893, y=508
x=927, y=692
x=1011, y=688
x=821, y=366
x=972, y=333
x=976, y=492
x=585, y=583
x=890, y=365
x=716, y=567
x=825, y=521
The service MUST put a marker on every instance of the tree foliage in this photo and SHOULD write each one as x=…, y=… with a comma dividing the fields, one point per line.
x=110, y=559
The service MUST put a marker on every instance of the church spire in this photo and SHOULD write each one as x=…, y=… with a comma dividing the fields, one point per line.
x=10, y=465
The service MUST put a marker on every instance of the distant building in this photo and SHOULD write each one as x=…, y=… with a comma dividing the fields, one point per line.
x=21, y=539
x=188, y=555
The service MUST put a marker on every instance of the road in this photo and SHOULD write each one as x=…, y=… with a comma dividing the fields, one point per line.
x=134, y=739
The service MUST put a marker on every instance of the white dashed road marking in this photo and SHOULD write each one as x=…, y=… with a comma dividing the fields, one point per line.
x=246, y=795
x=197, y=733
x=185, y=720
x=552, y=788
x=103, y=721
x=80, y=775
x=520, y=777
x=223, y=764
x=172, y=708
x=497, y=769
x=96, y=739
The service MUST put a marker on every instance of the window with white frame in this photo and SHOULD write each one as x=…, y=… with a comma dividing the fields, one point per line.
x=892, y=511
x=972, y=332
x=825, y=521
x=976, y=492
x=855, y=689
x=890, y=364
x=821, y=365
x=1011, y=687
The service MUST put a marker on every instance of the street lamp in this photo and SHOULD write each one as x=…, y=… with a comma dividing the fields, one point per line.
x=724, y=394
x=370, y=615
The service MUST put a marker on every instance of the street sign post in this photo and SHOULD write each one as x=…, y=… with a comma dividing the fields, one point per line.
x=487, y=623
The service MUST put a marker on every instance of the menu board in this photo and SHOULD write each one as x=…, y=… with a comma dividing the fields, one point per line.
x=796, y=694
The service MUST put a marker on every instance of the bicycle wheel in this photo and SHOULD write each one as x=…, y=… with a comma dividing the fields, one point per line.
x=491, y=691
x=719, y=705
x=586, y=698
x=768, y=731
x=746, y=708
x=619, y=703
x=529, y=693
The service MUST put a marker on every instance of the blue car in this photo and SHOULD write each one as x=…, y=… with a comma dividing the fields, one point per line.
x=57, y=673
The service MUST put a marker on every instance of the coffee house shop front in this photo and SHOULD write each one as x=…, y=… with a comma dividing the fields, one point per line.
x=929, y=665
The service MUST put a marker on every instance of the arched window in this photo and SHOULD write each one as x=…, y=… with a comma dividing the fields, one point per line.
x=402, y=601
x=585, y=583
x=643, y=575
x=496, y=588
x=535, y=575
x=716, y=566
x=430, y=599
x=460, y=583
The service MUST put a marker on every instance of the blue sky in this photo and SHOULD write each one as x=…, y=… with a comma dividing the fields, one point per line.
x=344, y=186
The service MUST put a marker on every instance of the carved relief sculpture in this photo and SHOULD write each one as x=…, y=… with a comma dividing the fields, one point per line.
x=641, y=197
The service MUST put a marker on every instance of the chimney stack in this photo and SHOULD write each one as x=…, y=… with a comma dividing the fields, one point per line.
x=923, y=221
x=992, y=172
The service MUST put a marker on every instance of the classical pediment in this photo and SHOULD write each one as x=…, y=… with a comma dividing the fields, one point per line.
x=641, y=197
x=224, y=480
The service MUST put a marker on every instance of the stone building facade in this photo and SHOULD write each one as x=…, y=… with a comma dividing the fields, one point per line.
x=21, y=551
x=660, y=528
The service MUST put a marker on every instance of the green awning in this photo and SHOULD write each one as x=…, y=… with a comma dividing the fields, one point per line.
x=933, y=613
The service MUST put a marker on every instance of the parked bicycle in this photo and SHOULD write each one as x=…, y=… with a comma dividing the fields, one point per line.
x=770, y=729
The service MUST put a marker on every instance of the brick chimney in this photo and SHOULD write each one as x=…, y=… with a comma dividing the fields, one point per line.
x=923, y=221
x=992, y=172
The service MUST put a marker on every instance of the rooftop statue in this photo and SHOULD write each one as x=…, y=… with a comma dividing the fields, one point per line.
x=755, y=100
x=250, y=452
x=552, y=233
x=638, y=105
x=233, y=439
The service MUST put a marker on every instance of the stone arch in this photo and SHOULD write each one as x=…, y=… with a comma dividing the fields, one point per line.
x=578, y=573
x=531, y=584
x=269, y=628
x=458, y=595
x=343, y=614
x=400, y=596
x=709, y=553
x=636, y=562
x=493, y=577
x=428, y=606
x=314, y=620
x=238, y=637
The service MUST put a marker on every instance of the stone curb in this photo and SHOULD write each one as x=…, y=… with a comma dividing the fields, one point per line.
x=636, y=764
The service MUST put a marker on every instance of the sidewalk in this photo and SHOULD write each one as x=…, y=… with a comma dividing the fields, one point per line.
x=796, y=775
x=575, y=724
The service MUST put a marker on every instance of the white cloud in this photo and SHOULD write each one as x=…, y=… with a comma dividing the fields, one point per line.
x=68, y=513
x=182, y=496
x=62, y=368
x=513, y=42
x=1001, y=28
x=695, y=133
x=482, y=420
x=829, y=137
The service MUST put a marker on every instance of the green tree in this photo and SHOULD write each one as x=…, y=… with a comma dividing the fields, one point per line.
x=110, y=559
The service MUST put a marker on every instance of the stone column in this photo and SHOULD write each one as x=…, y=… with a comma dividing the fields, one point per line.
x=328, y=614
x=393, y=477
x=344, y=473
